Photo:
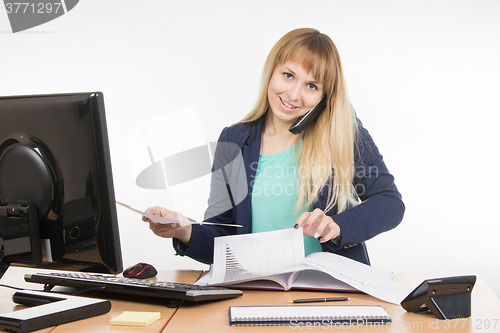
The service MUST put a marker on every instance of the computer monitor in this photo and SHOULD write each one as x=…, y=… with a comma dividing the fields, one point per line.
x=57, y=202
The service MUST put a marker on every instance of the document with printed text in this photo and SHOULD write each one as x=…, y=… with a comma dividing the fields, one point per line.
x=164, y=220
x=275, y=260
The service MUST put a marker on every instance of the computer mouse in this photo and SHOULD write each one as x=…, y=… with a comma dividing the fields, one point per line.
x=140, y=271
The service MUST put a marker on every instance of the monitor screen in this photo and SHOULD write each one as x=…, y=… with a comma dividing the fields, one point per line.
x=57, y=203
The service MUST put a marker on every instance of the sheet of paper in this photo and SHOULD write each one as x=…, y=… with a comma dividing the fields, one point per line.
x=260, y=254
x=164, y=220
x=360, y=276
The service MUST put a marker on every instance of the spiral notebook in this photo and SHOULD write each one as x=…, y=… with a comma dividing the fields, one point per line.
x=307, y=315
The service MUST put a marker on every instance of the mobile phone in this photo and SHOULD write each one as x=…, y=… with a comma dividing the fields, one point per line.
x=306, y=119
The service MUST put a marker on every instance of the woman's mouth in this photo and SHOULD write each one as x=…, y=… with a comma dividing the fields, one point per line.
x=288, y=105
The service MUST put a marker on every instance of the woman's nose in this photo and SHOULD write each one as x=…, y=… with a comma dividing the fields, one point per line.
x=294, y=92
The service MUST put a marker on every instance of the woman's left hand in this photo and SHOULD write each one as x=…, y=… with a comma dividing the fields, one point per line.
x=318, y=225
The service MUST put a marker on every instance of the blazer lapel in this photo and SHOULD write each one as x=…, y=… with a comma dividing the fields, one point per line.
x=250, y=151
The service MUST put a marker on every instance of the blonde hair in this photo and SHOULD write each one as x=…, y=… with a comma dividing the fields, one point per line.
x=327, y=145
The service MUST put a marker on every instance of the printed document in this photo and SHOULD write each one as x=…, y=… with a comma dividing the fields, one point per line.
x=278, y=256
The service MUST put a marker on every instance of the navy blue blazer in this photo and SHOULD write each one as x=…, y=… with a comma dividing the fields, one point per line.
x=381, y=206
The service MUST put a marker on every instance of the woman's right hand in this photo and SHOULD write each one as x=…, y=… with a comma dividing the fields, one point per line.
x=172, y=230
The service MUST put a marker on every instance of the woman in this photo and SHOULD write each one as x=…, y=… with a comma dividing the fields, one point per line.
x=330, y=179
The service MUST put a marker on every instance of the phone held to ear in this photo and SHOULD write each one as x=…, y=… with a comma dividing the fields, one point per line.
x=306, y=119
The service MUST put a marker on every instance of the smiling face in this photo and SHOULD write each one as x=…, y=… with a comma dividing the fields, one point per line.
x=292, y=92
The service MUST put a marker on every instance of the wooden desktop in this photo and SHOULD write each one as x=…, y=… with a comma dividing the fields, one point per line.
x=213, y=316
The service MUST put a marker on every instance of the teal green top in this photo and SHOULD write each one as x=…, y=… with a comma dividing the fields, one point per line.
x=274, y=194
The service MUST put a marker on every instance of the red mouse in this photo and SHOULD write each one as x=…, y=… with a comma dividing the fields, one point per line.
x=140, y=271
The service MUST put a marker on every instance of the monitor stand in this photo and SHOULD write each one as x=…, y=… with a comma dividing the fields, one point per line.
x=3, y=266
x=49, y=309
x=19, y=233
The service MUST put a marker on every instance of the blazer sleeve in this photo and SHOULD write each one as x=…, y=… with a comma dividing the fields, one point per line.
x=381, y=207
x=225, y=176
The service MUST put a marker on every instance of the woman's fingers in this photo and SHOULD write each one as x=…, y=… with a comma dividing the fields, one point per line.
x=318, y=225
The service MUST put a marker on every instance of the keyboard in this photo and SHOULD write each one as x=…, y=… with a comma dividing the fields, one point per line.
x=150, y=288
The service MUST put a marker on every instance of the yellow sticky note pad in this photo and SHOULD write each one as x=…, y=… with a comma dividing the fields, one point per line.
x=134, y=318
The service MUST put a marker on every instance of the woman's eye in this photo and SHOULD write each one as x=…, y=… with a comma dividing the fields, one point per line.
x=312, y=86
x=288, y=75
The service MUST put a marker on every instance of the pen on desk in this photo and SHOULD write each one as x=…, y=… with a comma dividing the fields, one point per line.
x=314, y=300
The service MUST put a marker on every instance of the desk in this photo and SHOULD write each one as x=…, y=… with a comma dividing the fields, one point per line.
x=213, y=316
x=119, y=303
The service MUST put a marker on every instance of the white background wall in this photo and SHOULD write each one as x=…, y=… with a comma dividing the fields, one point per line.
x=423, y=75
